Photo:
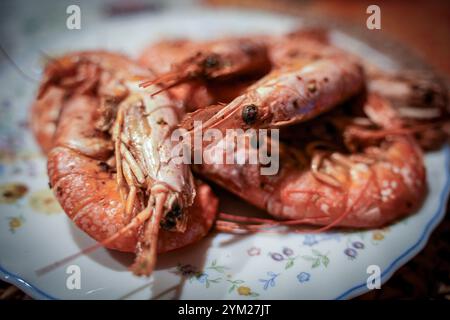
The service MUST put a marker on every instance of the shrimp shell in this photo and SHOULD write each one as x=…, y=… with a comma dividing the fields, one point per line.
x=370, y=188
x=100, y=89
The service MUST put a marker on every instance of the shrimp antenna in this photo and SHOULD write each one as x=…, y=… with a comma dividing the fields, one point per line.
x=139, y=219
x=344, y=213
x=146, y=257
x=166, y=81
x=236, y=223
x=233, y=227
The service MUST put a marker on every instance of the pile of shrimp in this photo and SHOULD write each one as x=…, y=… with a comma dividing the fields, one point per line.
x=350, y=149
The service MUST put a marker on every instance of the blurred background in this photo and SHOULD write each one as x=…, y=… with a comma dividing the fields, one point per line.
x=422, y=26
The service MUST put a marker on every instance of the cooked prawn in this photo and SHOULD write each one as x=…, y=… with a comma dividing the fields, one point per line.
x=288, y=95
x=111, y=165
x=352, y=181
x=168, y=59
x=73, y=74
x=216, y=60
x=421, y=98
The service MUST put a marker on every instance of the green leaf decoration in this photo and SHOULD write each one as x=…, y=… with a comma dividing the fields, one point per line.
x=316, y=263
x=325, y=261
x=289, y=264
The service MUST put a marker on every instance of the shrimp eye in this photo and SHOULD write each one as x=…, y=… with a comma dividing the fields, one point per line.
x=210, y=62
x=170, y=220
x=176, y=211
x=168, y=224
x=249, y=113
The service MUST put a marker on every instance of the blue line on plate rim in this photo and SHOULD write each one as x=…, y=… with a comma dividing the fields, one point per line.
x=24, y=285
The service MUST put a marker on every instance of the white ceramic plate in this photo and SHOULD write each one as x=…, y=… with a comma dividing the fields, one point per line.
x=35, y=232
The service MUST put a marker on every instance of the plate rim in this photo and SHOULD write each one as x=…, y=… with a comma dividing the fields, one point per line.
x=35, y=292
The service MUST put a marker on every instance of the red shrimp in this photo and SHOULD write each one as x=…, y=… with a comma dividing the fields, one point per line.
x=111, y=165
x=355, y=174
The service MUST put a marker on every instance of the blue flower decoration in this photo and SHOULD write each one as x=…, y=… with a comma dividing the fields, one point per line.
x=288, y=252
x=276, y=256
x=271, y=281
x=202, y=278
x=303, y=277
x=358, y=245
x=330, y=236
x=351, y=253
x=310, y=240
x=6, y=103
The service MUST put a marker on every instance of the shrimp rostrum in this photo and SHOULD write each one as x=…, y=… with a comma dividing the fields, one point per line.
x=111, y=165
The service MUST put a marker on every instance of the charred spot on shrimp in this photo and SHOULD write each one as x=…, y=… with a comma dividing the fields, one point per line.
x=59, y=191
x=104, y=167
x=170, y=220
x=168, y=224
x=250, y=113
x=210, y=62
x=248, y=48
x=312, y=86
x=161, y=122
